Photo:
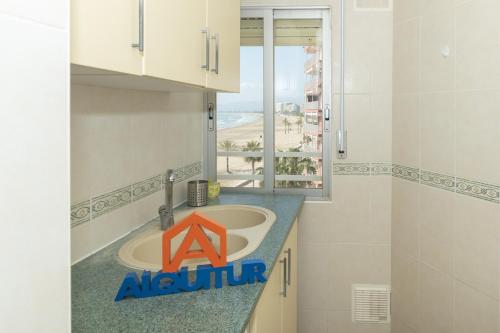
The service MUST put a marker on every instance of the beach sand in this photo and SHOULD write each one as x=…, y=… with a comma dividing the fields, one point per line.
x=254, y=131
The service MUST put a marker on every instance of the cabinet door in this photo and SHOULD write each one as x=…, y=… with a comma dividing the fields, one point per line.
x=289, y=305
x=267, y=318
x=224, y=24
x=174, y=44
x=102, y=34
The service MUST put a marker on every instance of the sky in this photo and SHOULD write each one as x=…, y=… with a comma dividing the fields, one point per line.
x=289, y=79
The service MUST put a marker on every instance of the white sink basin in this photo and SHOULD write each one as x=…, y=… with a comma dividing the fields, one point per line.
x=246, y=227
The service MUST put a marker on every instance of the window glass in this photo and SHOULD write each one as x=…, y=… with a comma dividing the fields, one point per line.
x=240, y=129
x=298, y=130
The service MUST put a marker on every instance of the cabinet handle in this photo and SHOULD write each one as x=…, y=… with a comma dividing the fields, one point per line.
x=289, y=268
x=206, y=66
x=284, y=262
x=140, y=45
x=216, y=69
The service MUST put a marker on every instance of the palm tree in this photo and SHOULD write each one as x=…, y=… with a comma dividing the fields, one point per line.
x=299, y=124
x=227, y=146
x=294, y=166
x=260, y=171
x=306, y=139
x=252, y=146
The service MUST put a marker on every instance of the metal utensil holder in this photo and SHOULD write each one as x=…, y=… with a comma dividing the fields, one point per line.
x=197, y=193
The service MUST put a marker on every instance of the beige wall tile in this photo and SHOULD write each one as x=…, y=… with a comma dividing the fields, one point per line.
x=474, y=311
x=476, y=244
x=398, y=327
x=405, y=299
x=357, y=121
x=435, y=301
x=353, y=264
x=381, y=208
x=437, y=132
x=313, y=321
x=380, y=134
x=477, y=22
x=437, y=34
x=149, y=141
x=120, y=137
x=340, y=322
x=406, y=9
x=435, y=6
x=478, y=131
x=405, y=217
x=88, y=238
x=406, y=70
x=353, y=224
x=458, y=236
x=81, y=151
x=437, y=214
x=146, y=209
x=405, y=130
x=101, y=134
x=478, y=44
x=313, y=263
x=317, y=222
x=81, y=241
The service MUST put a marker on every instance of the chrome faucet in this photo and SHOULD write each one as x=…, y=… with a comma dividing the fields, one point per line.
x=166, y=211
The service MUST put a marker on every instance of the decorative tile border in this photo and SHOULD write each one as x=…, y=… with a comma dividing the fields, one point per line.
x=351, y=169
x=146, y=187
x=105, y=203
x=437, y=180
x=479, y=190
x=381, y=169
x=362, y=169
x=80, y=213
x=404, y=172
x=87, y=210
x=186, y=172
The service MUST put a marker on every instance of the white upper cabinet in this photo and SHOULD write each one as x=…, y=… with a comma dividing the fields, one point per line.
x=102, y=33
x=224, y=24
x=184, y=41
x=174, y=45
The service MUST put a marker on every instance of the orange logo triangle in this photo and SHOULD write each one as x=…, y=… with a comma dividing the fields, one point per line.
x=196, y=224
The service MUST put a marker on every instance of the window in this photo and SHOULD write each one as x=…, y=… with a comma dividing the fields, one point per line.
x=275, y=134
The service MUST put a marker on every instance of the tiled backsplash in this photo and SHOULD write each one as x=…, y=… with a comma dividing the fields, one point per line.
x=98, y=205
x=480, y=190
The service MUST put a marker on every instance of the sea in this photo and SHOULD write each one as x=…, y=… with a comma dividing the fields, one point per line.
x=235, y=119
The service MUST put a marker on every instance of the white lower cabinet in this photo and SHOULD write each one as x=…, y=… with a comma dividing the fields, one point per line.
x=276, y=310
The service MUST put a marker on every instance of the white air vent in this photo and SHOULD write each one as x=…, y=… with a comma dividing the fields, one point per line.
x=373, y=5
x=371, y=303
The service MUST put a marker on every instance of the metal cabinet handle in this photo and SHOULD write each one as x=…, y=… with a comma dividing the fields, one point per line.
x=284, y=262
x=206, y=66
x=140, y=45
x=289, y=268
x=216, y=38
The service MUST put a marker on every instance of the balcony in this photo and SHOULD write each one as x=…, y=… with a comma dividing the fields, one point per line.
x=312, y=66
x=316, y=105
x=314, y=130
x=313, y=87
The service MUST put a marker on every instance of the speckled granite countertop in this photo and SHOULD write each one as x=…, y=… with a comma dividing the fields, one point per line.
x=95, y=282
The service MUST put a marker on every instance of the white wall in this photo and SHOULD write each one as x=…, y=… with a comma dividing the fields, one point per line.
x=34, y=166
